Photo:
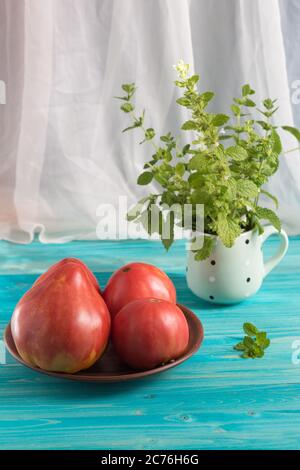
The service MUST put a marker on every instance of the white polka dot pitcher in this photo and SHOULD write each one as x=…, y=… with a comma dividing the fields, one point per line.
x=231, y=275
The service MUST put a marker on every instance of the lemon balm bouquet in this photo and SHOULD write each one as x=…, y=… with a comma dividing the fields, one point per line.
x=224, y=167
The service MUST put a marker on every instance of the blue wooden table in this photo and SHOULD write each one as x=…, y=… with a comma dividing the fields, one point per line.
x=216, y=400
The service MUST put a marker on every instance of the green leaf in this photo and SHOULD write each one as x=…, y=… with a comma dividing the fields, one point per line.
x=206, y=250
x=269, y=195
x=134, y=212
x=268, y=214
x=137, y=123
x=236, y=152
x=189, y=126
x=265, y=125
x=168, y=138
x=261, y=337
x=122, y=98
x=149, y=134
x=129, y=88
x=256, y=351
x=270, y=165
x=228, y=230
x=195, y=180
x=292, y=130
x=267, y=114
x=247, y=189
x=129, y=128
x=193, y=80
x=232, y=188
x=249, y=103
x=161, y=179
x=145, y=220
x=240, y=346
x=152, y=219
x=199, y=162
x=266, y=343
x=168, y=198
x=206, y=97
x=185, y=149
x=127, y=107
x=270, y=113
x=258, y=226
x=250, y=329
x=167, y=156
x=238, y=101
x=179, y=83
x=145, y=178
x=246, y=89
x=180, y=169
x=248, y=341
x=268, y=104
x=262, y=340
x=277, y=146
x=169, y=223
x=183, y=101
x=235, y=109
x=225, y=137
x=219, y=120
x=254, y=343
x=199, y=195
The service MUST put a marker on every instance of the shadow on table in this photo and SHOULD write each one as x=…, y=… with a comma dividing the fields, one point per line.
x=68, y=390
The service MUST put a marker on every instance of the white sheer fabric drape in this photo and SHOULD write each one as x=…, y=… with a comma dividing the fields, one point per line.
x=61, y=148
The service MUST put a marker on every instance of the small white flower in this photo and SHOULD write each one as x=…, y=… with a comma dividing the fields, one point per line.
x=222, y=131
x=182, y=68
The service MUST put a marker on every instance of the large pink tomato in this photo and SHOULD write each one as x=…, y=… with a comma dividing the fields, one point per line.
x=62, y=323
x=137, y=281
x=149, y=332
x=69, y=261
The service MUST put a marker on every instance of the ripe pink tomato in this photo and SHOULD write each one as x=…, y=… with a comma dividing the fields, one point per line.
x=149, y=332
x=62, y=323
x=65, y=262
x=137, y=281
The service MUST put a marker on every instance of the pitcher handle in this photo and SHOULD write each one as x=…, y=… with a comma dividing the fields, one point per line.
x=282, y=249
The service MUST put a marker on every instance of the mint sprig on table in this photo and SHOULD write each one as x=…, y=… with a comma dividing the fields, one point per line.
x=254, y=343
x=228, y=158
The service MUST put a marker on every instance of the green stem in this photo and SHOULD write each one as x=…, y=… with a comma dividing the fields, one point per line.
x=144, y=130
x=260, y=166
x=238, y=123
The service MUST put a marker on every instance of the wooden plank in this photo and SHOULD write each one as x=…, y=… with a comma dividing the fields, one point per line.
x=213, y=401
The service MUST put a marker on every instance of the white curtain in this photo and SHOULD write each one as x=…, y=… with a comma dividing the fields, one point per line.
x=62, y=61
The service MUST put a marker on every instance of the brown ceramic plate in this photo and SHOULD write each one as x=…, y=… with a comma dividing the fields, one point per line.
x=109, y=368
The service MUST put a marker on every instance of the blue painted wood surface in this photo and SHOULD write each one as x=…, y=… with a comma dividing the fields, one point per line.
x=216, y=400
